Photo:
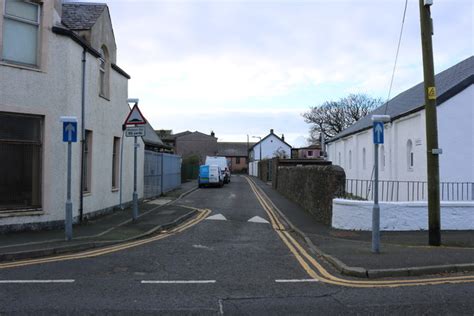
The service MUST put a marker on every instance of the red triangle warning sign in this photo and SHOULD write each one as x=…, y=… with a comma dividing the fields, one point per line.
x=135, y=117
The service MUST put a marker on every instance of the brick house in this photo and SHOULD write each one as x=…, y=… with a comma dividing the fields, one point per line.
x=236, y=154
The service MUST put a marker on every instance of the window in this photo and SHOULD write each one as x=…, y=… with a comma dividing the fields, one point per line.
x=86, y=175
x=364, y=159
x=104, y=72
x=382, y=158
x=410, y=155
x=310, y=153
x=21, y=161
x=21, y=32
x=237, y=160
x=115, y=162
x=350, y=159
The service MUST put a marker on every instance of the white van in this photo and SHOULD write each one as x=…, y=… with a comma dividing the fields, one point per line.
x=222, y=163
x=210, y=175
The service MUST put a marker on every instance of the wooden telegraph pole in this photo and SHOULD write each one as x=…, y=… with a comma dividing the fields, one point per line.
x=433, y=151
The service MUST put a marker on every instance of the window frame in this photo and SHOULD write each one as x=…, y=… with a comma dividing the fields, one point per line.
x=21, y=20
x=410, y=156
x=116, y=162
x=87, y=170
x=364, y=159
x=104, y=73
x=36, y=195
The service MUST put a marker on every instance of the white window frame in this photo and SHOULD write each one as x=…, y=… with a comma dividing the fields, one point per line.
x=115, y=162
x=410, y=156
x=364, y=159
x=18, y=19
x=87, y=176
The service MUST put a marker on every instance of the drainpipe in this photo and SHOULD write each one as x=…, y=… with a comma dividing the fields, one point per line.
x=121, y=166
x=83, y=136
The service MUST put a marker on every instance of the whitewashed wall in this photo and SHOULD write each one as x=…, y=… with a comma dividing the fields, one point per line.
x=269, y=146
x=400, y=216
x=456, y=138
x=253, y=168
x=55, y=91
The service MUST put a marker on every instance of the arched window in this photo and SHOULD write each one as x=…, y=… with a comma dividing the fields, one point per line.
x=410, y=156
x=364, y=159
x=350, y=159
x=382, y=158
x=104, y=72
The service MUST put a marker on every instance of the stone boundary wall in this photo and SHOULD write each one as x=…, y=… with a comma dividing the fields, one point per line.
x=401, y=216
x=312, y=187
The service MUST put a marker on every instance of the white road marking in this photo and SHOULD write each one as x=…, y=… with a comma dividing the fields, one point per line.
x=177, y=281
x=217, y=217
x=296, y=280
x=202, y=247
x=36, y=281
x=258, y=219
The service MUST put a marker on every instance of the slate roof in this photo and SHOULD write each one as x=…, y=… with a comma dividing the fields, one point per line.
x=233, y=149
x=448, y=83
x=151, y=138
x=81, y=15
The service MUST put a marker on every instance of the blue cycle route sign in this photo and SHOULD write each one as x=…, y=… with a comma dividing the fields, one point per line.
x=378, y=132
x=69, y=131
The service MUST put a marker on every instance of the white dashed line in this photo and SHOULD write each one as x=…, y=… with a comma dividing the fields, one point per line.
x=35, y=281
x=178, y=281
x=296, y=280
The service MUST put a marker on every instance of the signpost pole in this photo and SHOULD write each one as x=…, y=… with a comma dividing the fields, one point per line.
x=68, y=218
x=135, y=195
x=376, y=207
x=378, y=130
x=69, y=137
x=135, y=118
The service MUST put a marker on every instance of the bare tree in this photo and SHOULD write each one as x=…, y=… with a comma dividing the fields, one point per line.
x=332, y=117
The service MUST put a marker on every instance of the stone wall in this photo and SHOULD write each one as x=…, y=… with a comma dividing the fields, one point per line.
x=312, y=187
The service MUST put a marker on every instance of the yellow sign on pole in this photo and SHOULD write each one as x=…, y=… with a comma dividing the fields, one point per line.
x=432, y=93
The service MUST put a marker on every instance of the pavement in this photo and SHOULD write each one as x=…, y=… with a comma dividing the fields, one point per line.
x=349, y=252
x=154, y=216
x=401, y=254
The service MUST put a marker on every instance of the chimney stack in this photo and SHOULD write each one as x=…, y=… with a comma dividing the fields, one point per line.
x=283, y=137
x=213, y=134
x=271, y=131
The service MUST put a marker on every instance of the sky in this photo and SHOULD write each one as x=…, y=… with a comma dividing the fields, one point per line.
x=244, y=67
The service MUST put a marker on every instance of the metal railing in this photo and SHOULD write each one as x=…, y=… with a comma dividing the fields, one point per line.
x=394, y=191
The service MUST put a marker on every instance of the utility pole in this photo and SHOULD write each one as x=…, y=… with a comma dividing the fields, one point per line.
x=433, y=151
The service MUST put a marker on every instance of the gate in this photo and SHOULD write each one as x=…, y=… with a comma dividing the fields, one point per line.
x=162, y=173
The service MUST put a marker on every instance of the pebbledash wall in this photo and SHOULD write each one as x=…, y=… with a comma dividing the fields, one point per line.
x=400, y=216
x=52, y=91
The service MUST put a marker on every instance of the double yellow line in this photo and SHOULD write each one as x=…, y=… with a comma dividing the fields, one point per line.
x=106, y=250
x=316, y=271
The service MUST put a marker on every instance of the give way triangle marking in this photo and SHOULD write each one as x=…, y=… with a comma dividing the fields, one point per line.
x=217, y=217
x=258, y=219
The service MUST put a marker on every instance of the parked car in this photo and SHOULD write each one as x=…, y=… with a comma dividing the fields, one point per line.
x=222, y=163
x=210, y=175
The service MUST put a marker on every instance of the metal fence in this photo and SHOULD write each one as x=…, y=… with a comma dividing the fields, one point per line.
x=394, y=191
x=162, y=173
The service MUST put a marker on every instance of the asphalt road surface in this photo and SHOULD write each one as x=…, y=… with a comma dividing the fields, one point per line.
x=224, y=264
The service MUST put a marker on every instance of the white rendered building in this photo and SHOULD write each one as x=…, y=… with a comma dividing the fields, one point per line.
x=60, y=60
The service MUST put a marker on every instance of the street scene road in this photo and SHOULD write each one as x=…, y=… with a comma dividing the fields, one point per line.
x=229, y=259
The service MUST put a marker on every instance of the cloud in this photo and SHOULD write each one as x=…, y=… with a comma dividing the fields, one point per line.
x=228, y=58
